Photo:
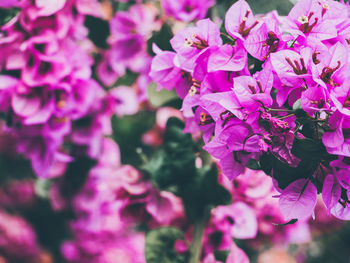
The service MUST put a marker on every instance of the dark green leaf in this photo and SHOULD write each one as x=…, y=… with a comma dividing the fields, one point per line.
x=128, y=131
x=291, y=222
x=98, y=31
x=285, y=174
x=161, y=39
x=75, y=176
x=254, y=165
x=204, y=193
x=307, y=149
x=15, y=167
x=127, y=80
x=7, y=14
x=262, y=6
x=160, y=245
x=221, y=255
x=161, y=97
x=173, y=169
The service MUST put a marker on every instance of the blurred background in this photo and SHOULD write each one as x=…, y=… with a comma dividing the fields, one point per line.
x=120, y=170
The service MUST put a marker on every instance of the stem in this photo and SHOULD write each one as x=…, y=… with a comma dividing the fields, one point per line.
x=286, y=116
x=196, y=248
x=292, y=45
x=233, y=41
x=279, y=110
x=305, y=83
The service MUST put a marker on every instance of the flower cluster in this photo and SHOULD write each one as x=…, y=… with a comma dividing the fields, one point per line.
x=268, y=95
x=130, y=31
x=271, y=91
x=48, y=97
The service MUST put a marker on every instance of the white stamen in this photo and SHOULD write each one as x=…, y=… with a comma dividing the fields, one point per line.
x=188, y=42
x=303, y=19
x=192, y=91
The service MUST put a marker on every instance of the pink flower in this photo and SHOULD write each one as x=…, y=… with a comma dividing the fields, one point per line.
x=169, y=76
x=239, y=20
x=238, y=219
x=9, y=3
x=298, y=200
x=191, y=42
x=308, y=18
x=186, y=10
x=265, y=40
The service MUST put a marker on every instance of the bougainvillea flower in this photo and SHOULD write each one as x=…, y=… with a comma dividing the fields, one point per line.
x=238, y=219
x=191, y=42
x=47, y=8
x=298, y=200
x=265, y=40
x=240, y=20
x=331, y=191
x=307, y=19
x=186, y=10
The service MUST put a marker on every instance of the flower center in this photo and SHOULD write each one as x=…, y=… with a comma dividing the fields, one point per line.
x=196, y=42
x=196, y=85
x=325, y=7
x=347, y=102
x=272, y=42
x=298, y=69
x=303, y=19
x=315, y=59
x=242, y=27
x=305, y=26
x=205, y=119
x=228, y=117
x=319, y=103
x=327, y=73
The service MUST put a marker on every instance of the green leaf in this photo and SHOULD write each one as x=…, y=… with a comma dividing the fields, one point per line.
x=173, y=169
x=285, y=174
x=307, y=149
x=159, y=98
x=253, y=164
x=214, y=193
x=7, y=14
x=262, y=6
x=76, y=175
x=204, y=193
x=128, y=131
x=126, y=80
x=173, y=165
x=98, y=30
x=297, y=105
x=160, y=245
x=221, y=255
x=42, y=187
x=291, y=222
x=161, y=39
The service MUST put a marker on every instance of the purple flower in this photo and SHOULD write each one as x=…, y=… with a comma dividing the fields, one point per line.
x=239, y=20
x=9, y=3
x=239, y=220
x=265, y=40
x=186, y=10
x=310, y=19
x=17, y=245
x=169, y=76
x=298, y=200
x=191, y=42
x=337, y=141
